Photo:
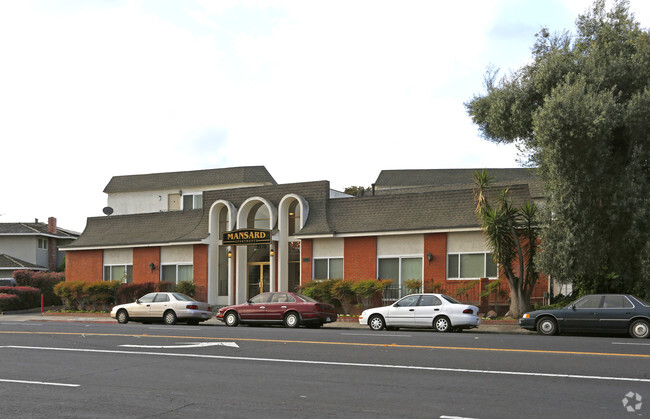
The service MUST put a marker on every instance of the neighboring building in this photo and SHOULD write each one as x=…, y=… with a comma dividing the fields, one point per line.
x=33, y=246
x=415, y=224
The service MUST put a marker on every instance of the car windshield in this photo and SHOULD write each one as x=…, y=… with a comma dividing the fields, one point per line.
x=182, y=297
x=306, y=299
x=451, y=300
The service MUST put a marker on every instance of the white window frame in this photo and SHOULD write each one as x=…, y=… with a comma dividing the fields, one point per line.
x=42, y=244
x=126, y=269
x=485, y=260
x=194, y=199
x=400, y=280
x=329, y=266
x=176, y=265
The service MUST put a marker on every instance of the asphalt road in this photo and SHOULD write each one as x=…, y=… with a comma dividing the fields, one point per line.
x=52, y=369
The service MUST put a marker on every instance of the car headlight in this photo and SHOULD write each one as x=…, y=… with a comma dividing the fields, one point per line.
x=526, y=316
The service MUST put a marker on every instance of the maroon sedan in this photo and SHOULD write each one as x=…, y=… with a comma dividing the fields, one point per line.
x=286, y=308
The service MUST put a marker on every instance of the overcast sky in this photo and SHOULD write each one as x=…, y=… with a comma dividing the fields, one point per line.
x=313, y=90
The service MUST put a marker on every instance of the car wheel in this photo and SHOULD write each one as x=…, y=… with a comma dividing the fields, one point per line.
x=169, y=317
x=122, y=316
x=376, y=322
x=639, y=329
x=292, y=320
x=231, y=319
x=547, y=326
x=442, y=324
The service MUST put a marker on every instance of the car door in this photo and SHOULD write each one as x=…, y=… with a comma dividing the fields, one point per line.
x=582, y=314
x=402, y=313
x=255, y=308
x=615, y=313
x=141, y=307
x=279, y=303
x=159, y=305
x=426, y=309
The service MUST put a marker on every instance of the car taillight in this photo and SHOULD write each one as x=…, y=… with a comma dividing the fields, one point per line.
x=192, y=307
x=468, y=311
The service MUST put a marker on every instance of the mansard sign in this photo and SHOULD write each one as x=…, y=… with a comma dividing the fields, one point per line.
x=246, y=236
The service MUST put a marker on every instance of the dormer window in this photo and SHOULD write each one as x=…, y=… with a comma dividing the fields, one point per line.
x=192, y=201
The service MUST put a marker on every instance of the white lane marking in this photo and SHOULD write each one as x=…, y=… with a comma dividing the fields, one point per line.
x=379, y=335
x=42, y=383
x=342, y=364
x=173, y=328
x=631, y=343
x=184, y=346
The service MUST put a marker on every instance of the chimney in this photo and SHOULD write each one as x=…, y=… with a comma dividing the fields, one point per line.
x=51, y=225
x=52, y=249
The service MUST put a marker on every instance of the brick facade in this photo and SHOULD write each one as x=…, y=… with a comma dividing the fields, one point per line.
x=84, y=265
x=306, y=254
x=143, y=257
x=201, y=271
x=360, y=258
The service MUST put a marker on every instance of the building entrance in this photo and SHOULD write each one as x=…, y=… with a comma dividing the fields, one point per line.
x=259, y=278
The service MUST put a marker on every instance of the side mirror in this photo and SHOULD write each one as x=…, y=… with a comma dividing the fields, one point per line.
x=573, y=307
x=137, y=301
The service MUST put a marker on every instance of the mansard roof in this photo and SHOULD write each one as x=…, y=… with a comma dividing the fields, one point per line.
x=196, y=178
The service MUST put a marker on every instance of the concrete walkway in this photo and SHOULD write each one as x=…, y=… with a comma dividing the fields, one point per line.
x=487, y=326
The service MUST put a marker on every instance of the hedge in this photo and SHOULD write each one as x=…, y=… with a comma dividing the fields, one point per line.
x=44, y=281
x=19, y=298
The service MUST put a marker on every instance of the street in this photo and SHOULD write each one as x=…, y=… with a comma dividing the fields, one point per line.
x=59, y=369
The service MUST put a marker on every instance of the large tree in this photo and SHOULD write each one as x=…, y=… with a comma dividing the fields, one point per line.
x=580, y=111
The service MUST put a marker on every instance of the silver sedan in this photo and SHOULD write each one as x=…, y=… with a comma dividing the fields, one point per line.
x=168, y=307
x=437, y=311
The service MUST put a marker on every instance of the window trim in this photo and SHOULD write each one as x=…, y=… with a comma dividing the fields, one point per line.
x=400, y=280
x=126, y=269
x=193, y=195
x=329, y=265
x=485, y=260
x=176, y=265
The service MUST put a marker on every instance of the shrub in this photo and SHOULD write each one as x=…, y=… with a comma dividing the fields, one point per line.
x=368, y=290
x=127, y=293
x=101, y=295
x=413, y=286
x=318, y=290
x=26, y=297
x=72, y=293
x=186, y=287
x=9, y=302
x=341, y=290
x=44, y=281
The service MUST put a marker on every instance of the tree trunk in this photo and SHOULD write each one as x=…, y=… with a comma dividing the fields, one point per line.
x=519, y=303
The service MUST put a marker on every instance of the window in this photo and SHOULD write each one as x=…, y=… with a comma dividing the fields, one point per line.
x=294, y=218
x=175, y=274
x=42, y=243
x=192, y=201
x=590, y=301
x=328, y=268
x=122, y=273
x=471, y=266
x=399, y=269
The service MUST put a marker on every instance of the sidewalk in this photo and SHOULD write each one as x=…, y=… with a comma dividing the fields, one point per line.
x=487, y=326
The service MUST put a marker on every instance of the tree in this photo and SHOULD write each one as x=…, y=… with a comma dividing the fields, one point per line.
x=512, y=237
x=356, y=190
x=580, y=112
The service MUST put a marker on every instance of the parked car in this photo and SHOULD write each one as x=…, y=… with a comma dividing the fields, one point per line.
x=437, y=311
x=606, y=313
x=288, y=308
x=168, y=307
x=7, y=282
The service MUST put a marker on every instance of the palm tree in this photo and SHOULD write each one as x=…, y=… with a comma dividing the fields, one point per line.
x=512, y=237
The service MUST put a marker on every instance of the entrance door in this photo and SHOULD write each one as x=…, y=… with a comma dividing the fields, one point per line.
x=259, y=278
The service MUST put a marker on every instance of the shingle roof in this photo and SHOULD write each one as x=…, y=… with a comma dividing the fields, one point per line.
x=9, y=262
x=35, y=229
x=392, y=181
x=194, y=178
x=435, y=210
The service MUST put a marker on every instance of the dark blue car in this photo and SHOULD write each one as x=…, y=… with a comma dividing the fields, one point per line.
x=598, y=313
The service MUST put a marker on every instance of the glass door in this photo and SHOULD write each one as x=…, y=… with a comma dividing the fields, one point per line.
x=259, y=278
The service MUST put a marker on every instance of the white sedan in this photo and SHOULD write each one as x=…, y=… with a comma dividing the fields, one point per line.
x=167, y=307
x=437, y=311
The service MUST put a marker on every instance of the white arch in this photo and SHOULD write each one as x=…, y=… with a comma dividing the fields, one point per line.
x=283, y=235
x=245, y=209
x=214, y=241
x=214, y=215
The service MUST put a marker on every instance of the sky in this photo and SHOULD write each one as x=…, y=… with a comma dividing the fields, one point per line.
x=312, y=90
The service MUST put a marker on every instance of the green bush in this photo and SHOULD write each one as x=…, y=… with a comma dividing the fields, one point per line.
x=368, y=290
x=318, y=290
x=186, y=287
x=341, y=290
x=101, y=295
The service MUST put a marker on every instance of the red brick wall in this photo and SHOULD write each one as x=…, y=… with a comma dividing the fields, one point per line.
x=435, y=271
x=201, y=271
x=360, y=258
x=306, y=253
x=84, y=265
x=142, y=258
